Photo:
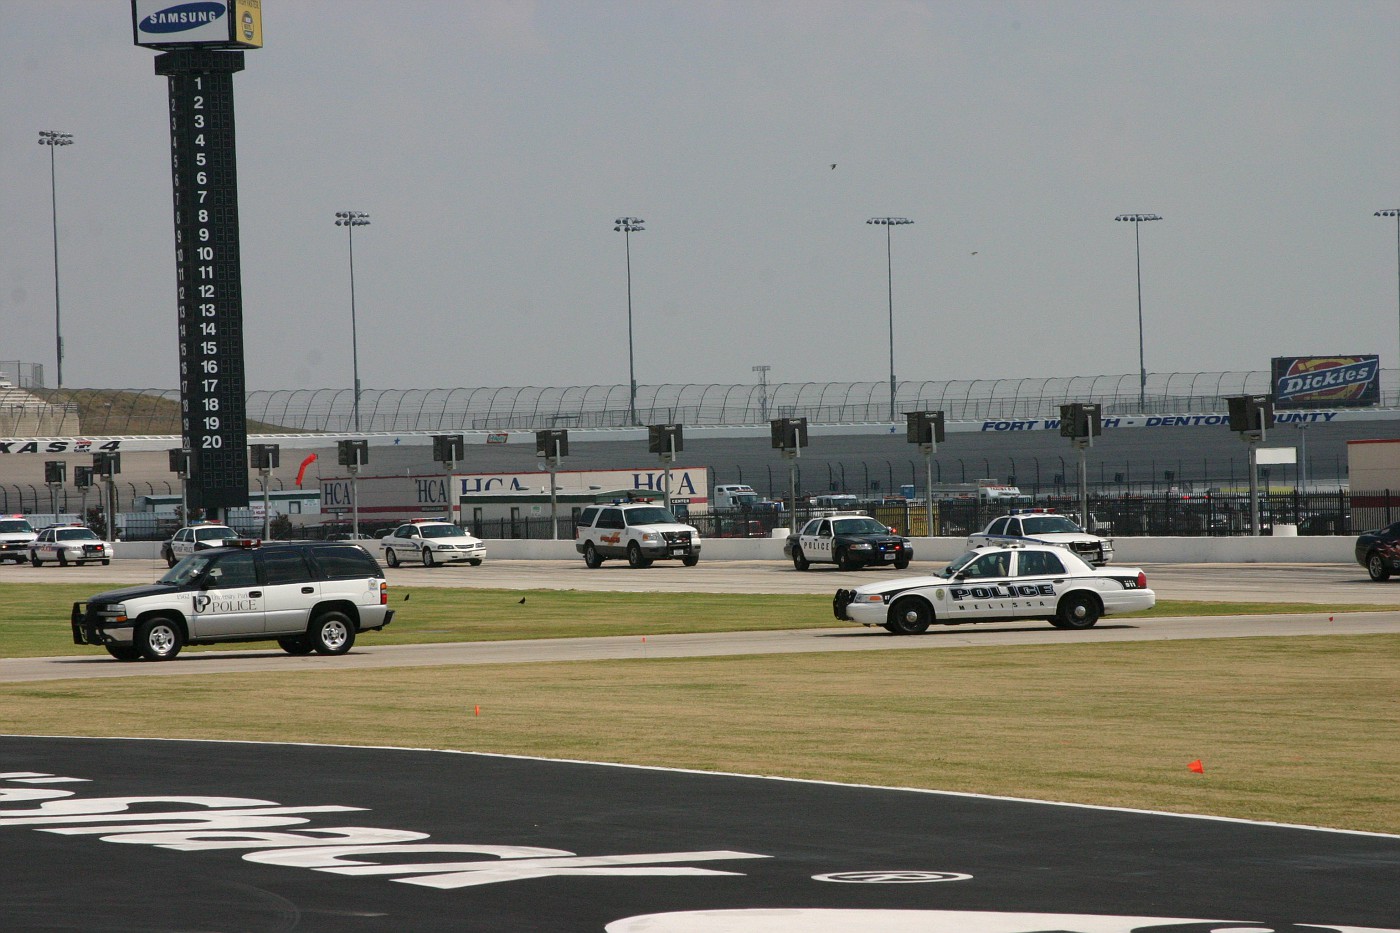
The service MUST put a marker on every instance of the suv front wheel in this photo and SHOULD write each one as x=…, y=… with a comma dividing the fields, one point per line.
x=332, y=633
x=159, y=639
x=635, y=558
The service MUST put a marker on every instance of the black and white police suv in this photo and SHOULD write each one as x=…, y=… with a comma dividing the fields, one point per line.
x=16, y=534
x=639, y=531
x=1044, y=526
x=850, y=540
x=432, y=541
x=197, y=537
x=998, y=584
x=69, y=544
x=305, y=595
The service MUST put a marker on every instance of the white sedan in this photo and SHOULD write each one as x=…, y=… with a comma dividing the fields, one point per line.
x=998, y=584
x=432, y=542
x=1044, y=526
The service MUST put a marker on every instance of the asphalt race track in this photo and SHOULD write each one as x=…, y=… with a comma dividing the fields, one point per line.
x=151, y=835
x=102, y=834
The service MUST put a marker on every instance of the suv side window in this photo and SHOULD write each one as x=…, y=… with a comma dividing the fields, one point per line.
x=338, y=563
x=611, y=518
x=585, y=520
x=284, y=566
x=233, y=569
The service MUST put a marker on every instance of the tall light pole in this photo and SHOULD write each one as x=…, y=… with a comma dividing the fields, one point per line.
x=1394, y=212
x=628, y=226
x=350, y=220
x=887, y=223
x=762, y=370
x=1137, y=220
x=51, y=139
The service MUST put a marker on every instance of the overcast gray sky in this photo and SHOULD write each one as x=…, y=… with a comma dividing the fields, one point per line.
x=493, y=144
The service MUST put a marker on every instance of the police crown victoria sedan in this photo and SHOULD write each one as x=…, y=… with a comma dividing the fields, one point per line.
x=998, y=584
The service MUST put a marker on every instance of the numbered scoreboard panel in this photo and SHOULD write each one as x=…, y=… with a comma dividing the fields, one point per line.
x=213, y=396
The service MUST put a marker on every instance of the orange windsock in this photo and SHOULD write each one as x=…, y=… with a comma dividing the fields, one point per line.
x=304, y=464
x=1197, y=766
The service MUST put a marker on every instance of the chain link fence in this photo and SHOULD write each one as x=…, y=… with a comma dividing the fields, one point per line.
x=157, y=411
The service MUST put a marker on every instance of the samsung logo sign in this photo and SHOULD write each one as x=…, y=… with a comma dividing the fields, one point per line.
x=183, y=17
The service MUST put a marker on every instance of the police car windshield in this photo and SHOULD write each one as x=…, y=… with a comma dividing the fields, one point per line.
x=12, y=525
x=186, y=570
x=651, y=516
x=75, y=534
x=859, y=526
x=959, y=563
x=212, y=532
x=1048, y=525
x=442, y=531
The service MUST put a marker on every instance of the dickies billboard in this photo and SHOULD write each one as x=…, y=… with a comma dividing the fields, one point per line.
x=1326, y=381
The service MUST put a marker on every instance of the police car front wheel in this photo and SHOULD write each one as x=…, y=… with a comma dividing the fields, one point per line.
x=909, y=616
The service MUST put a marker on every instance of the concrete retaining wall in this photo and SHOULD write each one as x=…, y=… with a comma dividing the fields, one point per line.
x=1303, y=550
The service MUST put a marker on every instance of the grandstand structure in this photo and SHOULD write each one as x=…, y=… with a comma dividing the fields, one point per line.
x=52, y=413
x=23, y=414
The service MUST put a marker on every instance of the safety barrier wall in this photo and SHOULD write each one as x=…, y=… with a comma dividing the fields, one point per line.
x=1131, y=551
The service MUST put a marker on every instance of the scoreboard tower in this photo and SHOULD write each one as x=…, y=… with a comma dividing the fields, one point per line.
x=201, y=48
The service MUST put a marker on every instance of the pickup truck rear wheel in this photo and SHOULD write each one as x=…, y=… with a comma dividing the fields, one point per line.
x=799, y=560
x=1376, y=567
x=332, y=633
x=159, y=639
x=909, y=616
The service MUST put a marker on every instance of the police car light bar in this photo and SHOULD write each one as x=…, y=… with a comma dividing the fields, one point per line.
x=1036, y=511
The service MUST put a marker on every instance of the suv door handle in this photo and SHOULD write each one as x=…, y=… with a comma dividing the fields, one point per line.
x=255, y=593
x=308, y=589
